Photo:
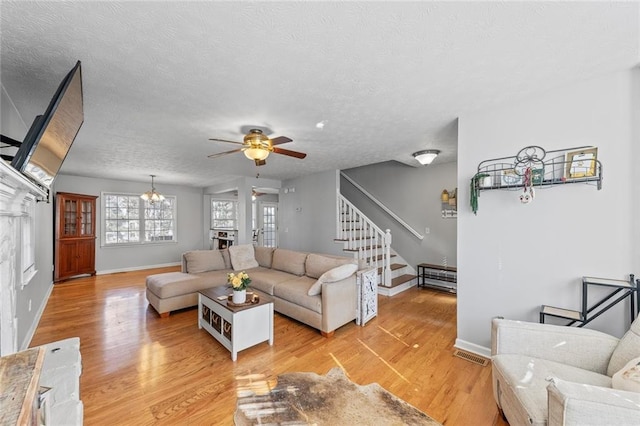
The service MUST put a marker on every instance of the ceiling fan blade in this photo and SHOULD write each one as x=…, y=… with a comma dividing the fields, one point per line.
x=260, y=162
x=290, y=153
x=224, y=140
x=220, y=154
x=280, y=140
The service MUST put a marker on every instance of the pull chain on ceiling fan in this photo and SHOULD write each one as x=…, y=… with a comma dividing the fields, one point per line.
x=257, y=147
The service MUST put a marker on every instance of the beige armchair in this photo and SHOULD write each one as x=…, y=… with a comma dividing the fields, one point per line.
x=553, y=375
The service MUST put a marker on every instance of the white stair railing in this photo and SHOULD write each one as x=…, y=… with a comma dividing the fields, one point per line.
x=361, y=236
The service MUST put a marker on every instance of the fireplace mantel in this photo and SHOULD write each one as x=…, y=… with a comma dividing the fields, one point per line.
x=17, y=197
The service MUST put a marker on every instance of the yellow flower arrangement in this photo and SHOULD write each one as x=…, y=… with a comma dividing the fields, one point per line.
x=239, y=281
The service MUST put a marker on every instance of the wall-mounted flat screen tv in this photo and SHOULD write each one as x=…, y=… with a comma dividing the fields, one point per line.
x=50, y=136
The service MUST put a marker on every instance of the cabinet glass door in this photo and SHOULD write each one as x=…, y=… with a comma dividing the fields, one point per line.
x=86, y=224
x=70, y=226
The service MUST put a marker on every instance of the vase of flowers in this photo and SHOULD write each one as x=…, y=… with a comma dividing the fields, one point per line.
x=239, y=283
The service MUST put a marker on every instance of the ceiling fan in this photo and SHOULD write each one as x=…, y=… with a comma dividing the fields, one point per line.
x=257, y=147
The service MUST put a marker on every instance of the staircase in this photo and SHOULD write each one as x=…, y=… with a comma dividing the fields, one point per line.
x=371, y=246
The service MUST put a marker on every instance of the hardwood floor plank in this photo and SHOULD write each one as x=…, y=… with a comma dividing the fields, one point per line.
x=140, y=369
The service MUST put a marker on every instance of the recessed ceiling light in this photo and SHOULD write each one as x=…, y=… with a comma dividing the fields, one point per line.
x=320, y=125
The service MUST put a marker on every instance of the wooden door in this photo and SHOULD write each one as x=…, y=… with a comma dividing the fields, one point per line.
x=85, y=249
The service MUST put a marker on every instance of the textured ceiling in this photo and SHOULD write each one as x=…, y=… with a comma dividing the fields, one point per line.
x=387, y=78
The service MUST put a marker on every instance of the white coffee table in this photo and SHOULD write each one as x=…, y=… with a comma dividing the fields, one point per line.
x=236, y=328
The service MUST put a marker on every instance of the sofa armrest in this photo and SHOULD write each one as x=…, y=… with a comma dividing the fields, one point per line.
x=339, y=300
x=579, y=404
x=579, y=347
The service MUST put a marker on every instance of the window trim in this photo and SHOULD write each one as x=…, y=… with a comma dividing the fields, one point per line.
x=141, y=219
x=235, y=208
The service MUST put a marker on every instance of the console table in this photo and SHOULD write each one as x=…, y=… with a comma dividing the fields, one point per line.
x=437, y=276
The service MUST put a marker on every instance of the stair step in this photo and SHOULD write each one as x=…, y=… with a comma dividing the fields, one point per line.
x=562, y=313
x=378, y=257
x=340, y=240
x=394, y=267
x=402, y=279
x=363, y=248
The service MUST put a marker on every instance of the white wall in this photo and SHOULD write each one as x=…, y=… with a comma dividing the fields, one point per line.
x=307, y=215
x=114, y=259
x=413, y=194
x=512, y=258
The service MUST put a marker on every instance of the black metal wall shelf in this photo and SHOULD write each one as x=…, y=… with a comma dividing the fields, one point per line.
x=535, y=167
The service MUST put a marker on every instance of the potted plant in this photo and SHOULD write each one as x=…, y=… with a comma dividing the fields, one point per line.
x=239, y=283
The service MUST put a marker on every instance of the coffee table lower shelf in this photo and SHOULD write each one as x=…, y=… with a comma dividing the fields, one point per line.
x=236, y=328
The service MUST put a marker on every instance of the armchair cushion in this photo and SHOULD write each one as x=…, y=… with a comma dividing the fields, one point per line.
x=579, y=347
x=581, y=404
x=627, y=348
x=527, y=378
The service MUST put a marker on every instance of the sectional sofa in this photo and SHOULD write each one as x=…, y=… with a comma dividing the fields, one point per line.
x=316, y=289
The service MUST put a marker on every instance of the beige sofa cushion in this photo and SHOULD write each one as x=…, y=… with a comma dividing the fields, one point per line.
x=171, y=284
x=318, y=264
x=289, y=261
x=332, y=275
x=628, y=378
x=628, y=348
x=264, y=256
x=203, y=261
x=295, y=291
x=243, y=257
x=265, y=280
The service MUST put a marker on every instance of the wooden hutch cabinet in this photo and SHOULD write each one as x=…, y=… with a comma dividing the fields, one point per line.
x=75, y=246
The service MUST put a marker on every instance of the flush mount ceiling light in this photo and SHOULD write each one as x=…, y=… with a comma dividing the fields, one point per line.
x=152, y=196
x=426, y=156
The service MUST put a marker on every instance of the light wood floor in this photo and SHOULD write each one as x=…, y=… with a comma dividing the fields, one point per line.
x=142, y=369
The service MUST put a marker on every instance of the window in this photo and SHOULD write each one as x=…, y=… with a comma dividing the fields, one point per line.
x=224, y=214
x=130, y=220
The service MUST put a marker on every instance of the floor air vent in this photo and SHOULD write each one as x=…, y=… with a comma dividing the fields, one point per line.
x=476, y=359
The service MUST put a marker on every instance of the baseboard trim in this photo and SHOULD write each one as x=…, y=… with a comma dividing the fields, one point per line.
x=472, y=347
x=36, y=320
x=136, y=268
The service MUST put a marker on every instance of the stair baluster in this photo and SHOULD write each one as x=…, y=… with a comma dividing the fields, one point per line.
x=369, y=243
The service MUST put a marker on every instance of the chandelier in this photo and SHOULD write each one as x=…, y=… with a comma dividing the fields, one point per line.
x=152, y=196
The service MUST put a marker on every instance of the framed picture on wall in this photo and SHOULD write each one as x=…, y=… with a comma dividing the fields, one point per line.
x=510, y=177
x=581, y=163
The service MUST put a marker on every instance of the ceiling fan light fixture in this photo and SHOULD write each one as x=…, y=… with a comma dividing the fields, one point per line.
x=256, y=137
x=254, y=153
x=152, y=196
x=426, y=156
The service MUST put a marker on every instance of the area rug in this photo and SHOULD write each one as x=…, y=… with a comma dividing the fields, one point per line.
x=312, y=399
